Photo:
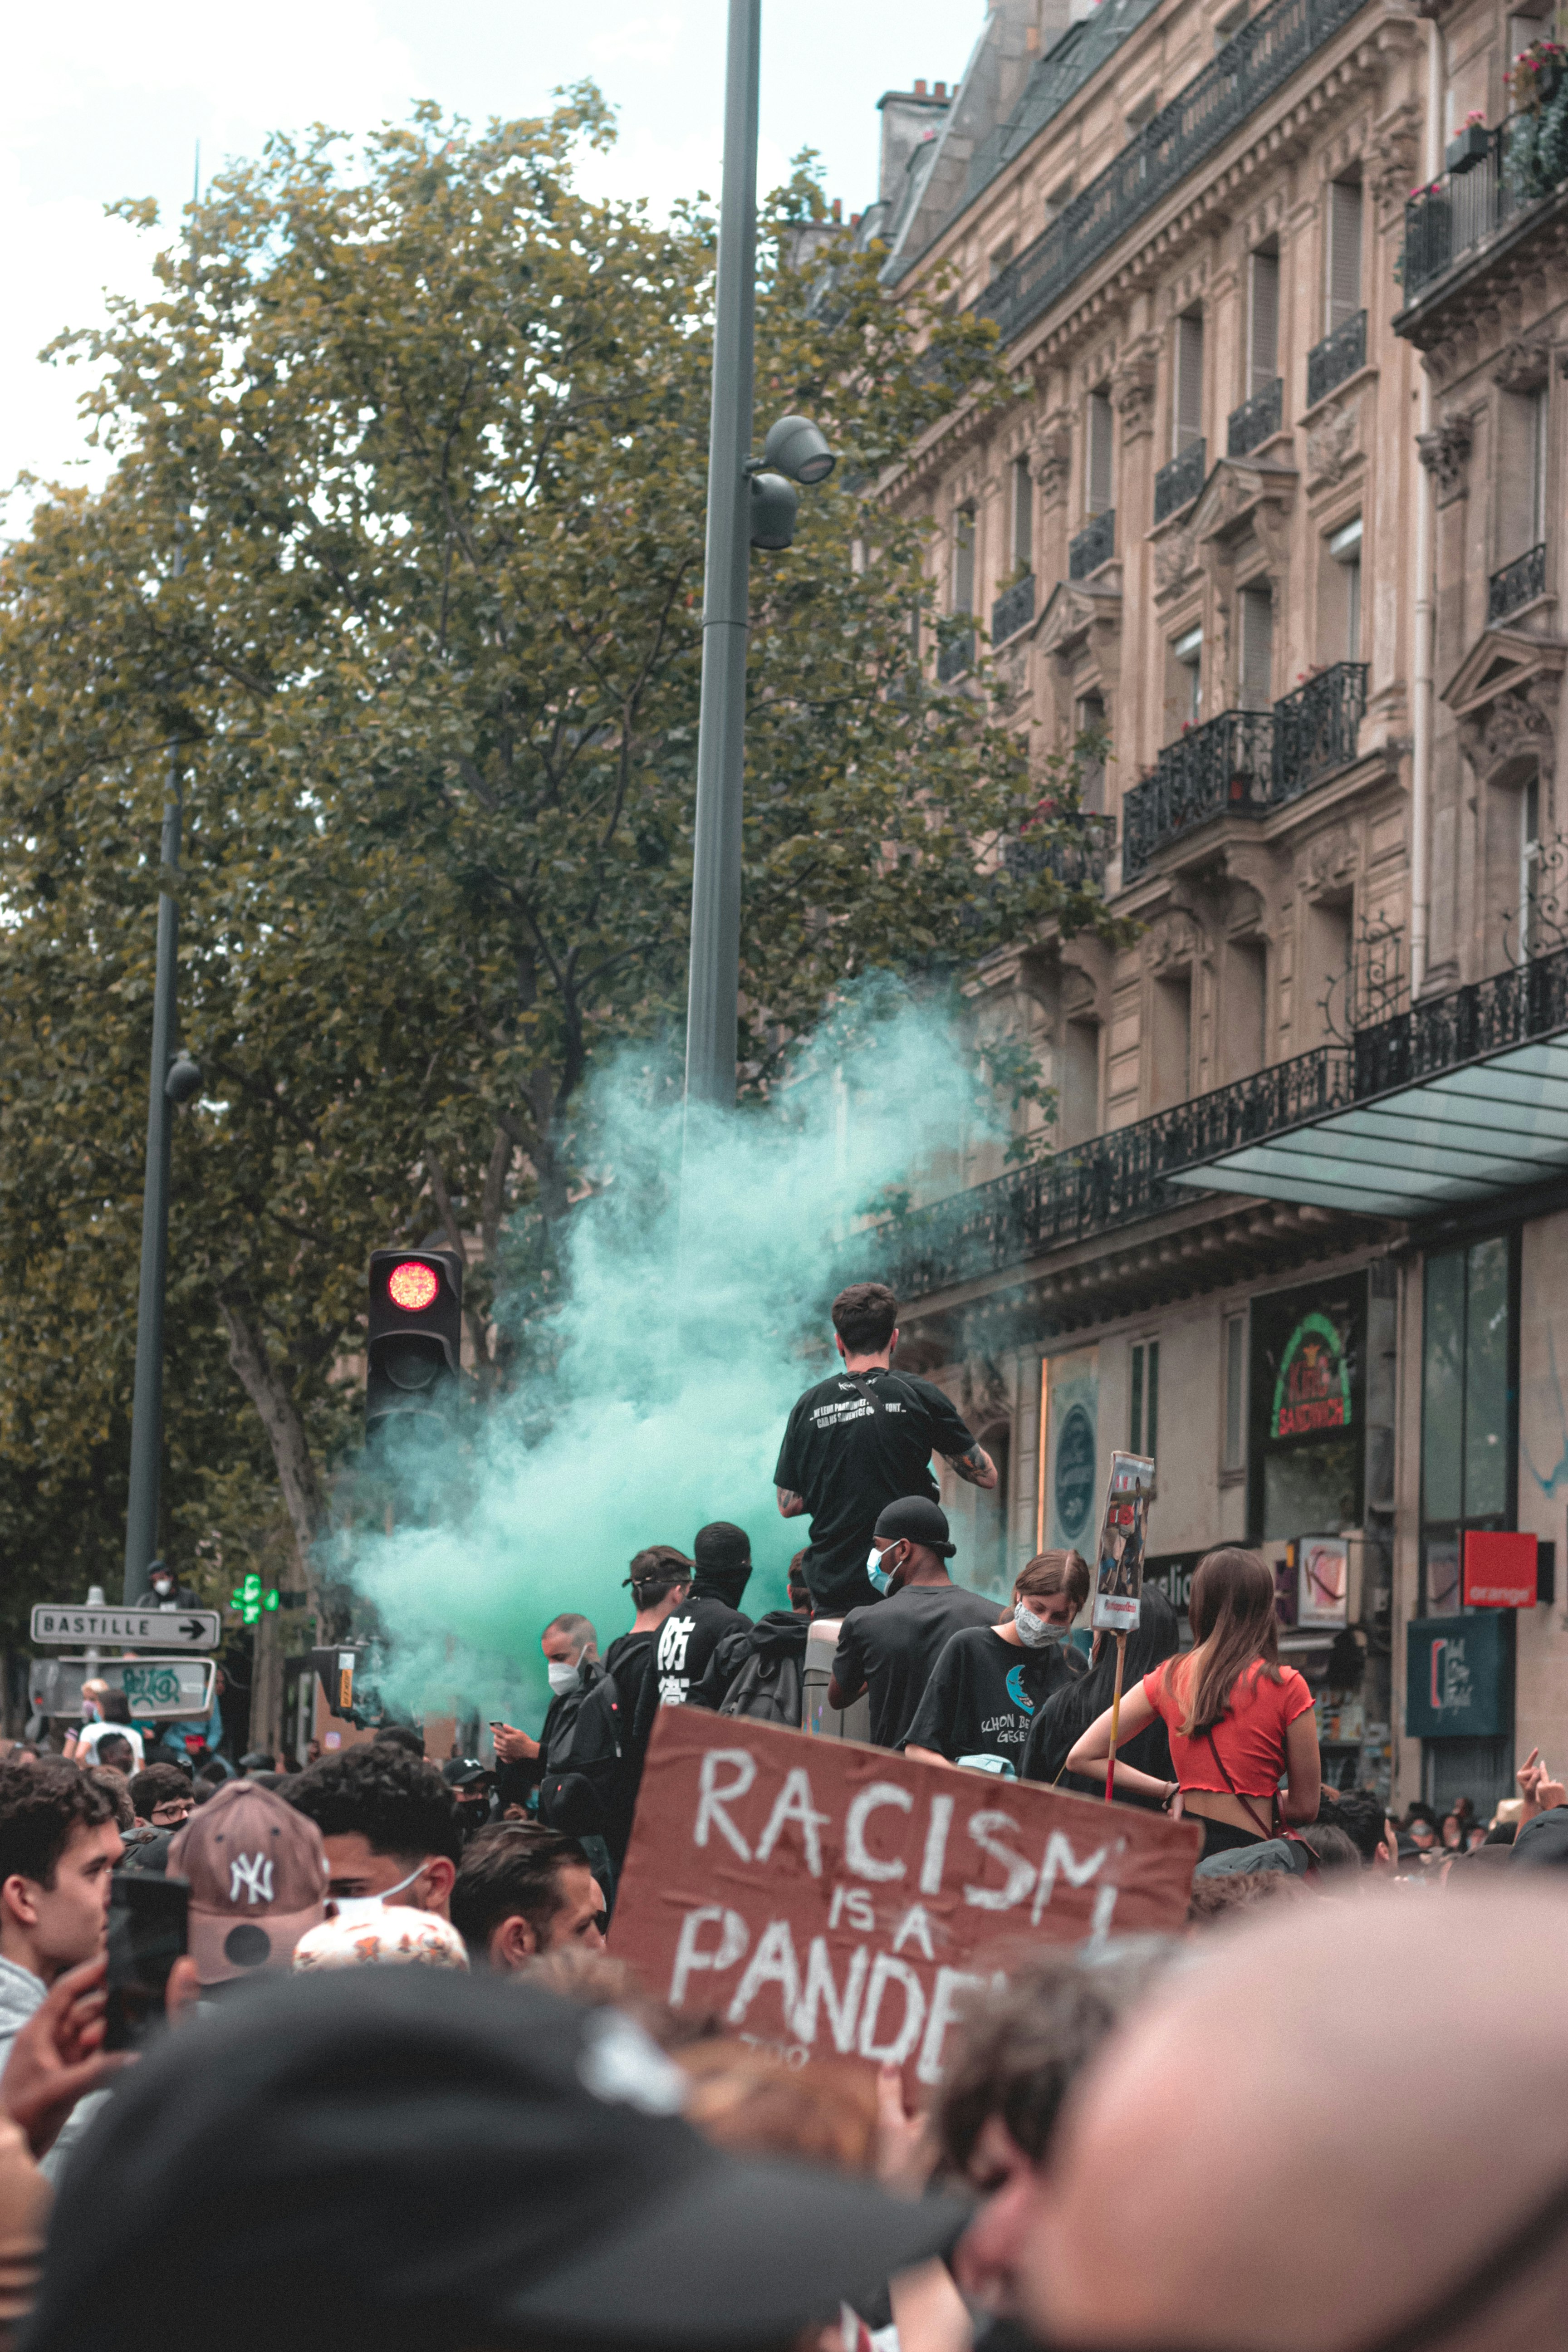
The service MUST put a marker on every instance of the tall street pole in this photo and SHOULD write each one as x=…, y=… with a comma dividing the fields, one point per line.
x=147, y=1408
x=711, y=1014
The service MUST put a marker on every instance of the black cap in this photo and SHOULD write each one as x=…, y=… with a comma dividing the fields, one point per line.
x=462, y=1771
x=914, y=1520
x=721, y=1545
x=444, y=2161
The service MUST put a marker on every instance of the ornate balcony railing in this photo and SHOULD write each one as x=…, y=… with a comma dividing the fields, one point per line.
x=1507, y=173
x=1245, y=763
x=1223, y=767
x=1075, y=861
x=1250, y=67
x=1517, y=583
x=1179, y=481
x=1315, y=730
x=1094, y=545
x=1125, y=1176
x=1336, y=357
x=1013, y=609
x=1250, y=426
x=955, y=658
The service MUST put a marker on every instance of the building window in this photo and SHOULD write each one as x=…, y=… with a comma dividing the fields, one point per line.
x=1187, y=409
x=1145, y=1423
x=1538, y=466
x=1023, y=516
x=1170, y=1040
x=1091, y=773
x=1344, y=557
x=1234, y=1454
x=1244, y=1007
x=1529, y=919
x=1060, y=198
x=1263, y=321
x=1186, y=678
x=1343, y=274
x=1467, y=1406
x=1078, y=1104
x=1256, y=648
x=963, y=560
x=1099, y=499
x=1002, y=256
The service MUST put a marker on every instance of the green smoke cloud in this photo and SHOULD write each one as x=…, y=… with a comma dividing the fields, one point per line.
x=695, y=1312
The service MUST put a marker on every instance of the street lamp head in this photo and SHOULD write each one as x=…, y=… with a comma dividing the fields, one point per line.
x=185, y=1080
x=771, y=518
x=797, y=448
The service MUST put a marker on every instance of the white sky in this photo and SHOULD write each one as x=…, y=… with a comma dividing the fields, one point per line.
x=105, y=101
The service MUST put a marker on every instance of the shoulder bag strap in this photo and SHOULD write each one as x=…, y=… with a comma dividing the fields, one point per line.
x=857, y=1382
x=1236, y=1793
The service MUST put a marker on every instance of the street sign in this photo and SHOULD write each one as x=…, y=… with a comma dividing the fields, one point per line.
x=129, y=1629
x=167, y=1690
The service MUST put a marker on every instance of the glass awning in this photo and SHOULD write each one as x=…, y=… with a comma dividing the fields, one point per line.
x=1489, y=1128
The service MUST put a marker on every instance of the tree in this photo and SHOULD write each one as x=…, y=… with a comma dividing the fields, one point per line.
x=430, y=434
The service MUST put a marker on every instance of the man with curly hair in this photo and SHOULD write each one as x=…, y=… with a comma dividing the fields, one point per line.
x=389, y=1823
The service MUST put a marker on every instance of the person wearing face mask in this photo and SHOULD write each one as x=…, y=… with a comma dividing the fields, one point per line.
x=890, y=1647
x=389, y=1824
x=1067, y=1713
x=992, y=1680
x=710, y=1614
x=571, y=1650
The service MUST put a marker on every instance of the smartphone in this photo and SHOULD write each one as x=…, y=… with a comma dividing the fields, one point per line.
x=148, y=1922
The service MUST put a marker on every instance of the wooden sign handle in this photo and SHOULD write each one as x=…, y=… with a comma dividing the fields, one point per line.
x=1115, y=1714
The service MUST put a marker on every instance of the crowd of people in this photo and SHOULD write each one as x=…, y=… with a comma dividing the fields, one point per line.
x=400, y=2086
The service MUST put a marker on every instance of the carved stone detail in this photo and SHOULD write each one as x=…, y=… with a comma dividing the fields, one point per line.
x=1330, y=860
x=1052, y=467
x=1396, y=158
x=1132, y=390
x=1445, y=452
x=1516, y=724
x=1521, y=365
x=1331, y=446
x=1173, y=942
x=1173, y=560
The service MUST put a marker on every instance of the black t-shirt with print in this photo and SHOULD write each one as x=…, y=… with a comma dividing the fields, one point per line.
x=847, y=1457
x=983, y=1693
x=890, y=1647
x=686, y=1641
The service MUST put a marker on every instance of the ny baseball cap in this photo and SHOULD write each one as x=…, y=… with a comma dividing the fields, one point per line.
x=462, y=1771
x=259, y=1881
x=439, y=2160
x=913, y=1519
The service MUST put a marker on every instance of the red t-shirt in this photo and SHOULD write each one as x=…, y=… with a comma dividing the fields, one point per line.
x=1250, y=1737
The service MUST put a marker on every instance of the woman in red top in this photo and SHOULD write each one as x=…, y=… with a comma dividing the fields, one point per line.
x=1238, y=1720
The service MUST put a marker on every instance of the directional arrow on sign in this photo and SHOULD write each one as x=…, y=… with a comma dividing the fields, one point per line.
x=127, y=1629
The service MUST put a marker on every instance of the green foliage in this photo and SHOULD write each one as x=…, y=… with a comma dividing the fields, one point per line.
x=429, y=432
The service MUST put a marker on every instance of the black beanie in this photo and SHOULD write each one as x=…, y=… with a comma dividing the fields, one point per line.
x=722, y=1553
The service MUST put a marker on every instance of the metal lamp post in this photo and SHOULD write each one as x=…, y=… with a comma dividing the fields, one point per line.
x=746, y=505
x=174, y=1078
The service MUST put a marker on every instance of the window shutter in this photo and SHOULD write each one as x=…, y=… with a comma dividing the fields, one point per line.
x=1256, y=648
x=963, y=560
x=1189, y=384
x=1265, y=321
x=1538, y=466
x=1344, y=251
x=1023, y=514
x=1100, y=486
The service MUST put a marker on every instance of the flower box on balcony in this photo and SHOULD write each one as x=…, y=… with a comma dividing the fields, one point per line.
x=1468, y=148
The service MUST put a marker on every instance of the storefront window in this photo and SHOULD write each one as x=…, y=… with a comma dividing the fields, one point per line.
x=1467, y=1407
x=1306, y=1459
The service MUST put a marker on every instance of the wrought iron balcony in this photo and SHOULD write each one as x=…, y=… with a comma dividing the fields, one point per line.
x=1224, y=767
x=1179, y=482
x=1245, y=763
x=1337, y=357
x=955, y=658
x=1125, y=1176
x=1076, y=862
x=1250, y=425
x=1250, y=67
x=1094, y=545
x=1013, y=609
x=1449, y=222
x=1518, y=583
x=1315, y=730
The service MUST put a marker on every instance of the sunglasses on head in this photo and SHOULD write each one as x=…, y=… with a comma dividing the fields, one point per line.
x=1493, y=2275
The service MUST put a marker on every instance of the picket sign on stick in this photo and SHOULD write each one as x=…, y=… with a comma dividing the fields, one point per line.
x=828, y=1899
x=1118, y=1571
x=1115, y=1714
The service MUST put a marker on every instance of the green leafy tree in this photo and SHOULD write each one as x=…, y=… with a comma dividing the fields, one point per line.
x=429, y=432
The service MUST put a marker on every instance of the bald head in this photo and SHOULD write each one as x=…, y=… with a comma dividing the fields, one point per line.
x=1346, y=2107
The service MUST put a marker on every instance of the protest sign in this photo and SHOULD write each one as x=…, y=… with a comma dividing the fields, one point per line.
x=1119, y=1571
x=825, y=1897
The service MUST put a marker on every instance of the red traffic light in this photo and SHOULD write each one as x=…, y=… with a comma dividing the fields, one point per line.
x=413, y=1286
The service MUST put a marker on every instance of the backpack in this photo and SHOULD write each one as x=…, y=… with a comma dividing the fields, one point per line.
x=769, y=1688
x=582, y=1764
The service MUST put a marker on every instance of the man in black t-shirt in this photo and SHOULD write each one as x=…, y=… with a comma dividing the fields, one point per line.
x=862, y=1439
x=891, y=1648
x=708, y=1615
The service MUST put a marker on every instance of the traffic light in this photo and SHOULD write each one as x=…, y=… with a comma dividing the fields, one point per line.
x=415, y=1341
x=250, y=1599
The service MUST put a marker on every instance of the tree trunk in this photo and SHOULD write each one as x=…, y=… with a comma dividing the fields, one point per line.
x=303, y=1498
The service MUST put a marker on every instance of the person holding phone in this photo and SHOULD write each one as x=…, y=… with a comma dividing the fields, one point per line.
x=60, y=1844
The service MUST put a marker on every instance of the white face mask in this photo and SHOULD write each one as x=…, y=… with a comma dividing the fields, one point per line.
x=355, y=1909
x=1035, y=1633
x=563, y=1677
x=880, y=1577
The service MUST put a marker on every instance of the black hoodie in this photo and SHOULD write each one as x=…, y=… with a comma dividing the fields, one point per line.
x=780, y=1631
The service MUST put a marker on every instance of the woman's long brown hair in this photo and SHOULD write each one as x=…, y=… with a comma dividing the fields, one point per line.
x=1233, y=1620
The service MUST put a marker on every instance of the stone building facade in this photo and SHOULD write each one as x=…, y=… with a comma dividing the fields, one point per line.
x=1273, y=509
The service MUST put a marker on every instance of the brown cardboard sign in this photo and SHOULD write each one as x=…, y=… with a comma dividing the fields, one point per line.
x=830, y=1898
